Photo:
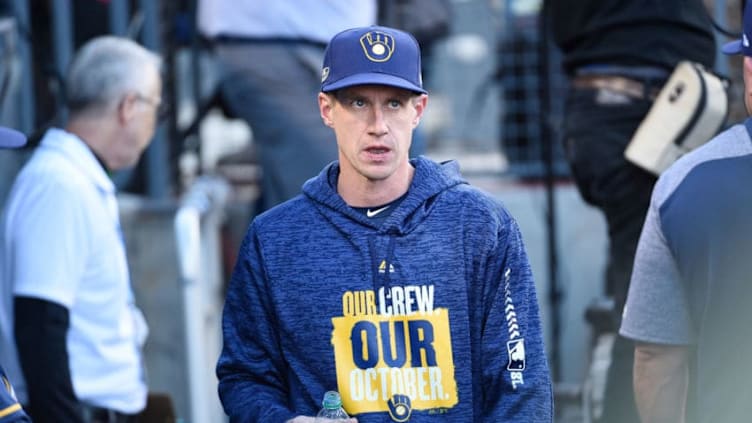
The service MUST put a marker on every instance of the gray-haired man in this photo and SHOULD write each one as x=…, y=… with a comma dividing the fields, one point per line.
x=77, y=330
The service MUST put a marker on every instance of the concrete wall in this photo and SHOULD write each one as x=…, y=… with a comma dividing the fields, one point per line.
x=160, y=290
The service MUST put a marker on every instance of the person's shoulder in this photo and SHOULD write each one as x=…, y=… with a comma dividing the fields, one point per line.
x=472, y=196
x=49, y=180
x=47, y=168
x=732, y=143
x=446, y=176
x=284, y=213
x=474, y=201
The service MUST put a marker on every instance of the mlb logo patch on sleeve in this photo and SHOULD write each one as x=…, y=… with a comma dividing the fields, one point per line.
x=516, y=349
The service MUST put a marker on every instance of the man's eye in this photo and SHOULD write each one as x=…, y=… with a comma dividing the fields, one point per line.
x=394, y=104
x=358, y=103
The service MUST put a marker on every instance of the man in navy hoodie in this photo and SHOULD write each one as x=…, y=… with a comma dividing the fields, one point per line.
x=390, y=280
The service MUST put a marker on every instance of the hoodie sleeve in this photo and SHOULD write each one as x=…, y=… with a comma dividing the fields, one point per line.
x=250, y=368
x=515, y=368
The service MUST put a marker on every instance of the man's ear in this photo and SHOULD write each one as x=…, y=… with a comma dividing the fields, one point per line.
x=126, y=108
x=420, y=104
x=326, y=104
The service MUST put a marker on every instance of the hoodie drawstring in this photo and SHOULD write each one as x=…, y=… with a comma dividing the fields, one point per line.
x=379, y=280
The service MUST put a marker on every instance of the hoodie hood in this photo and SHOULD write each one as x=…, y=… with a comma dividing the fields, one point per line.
x=431, y=179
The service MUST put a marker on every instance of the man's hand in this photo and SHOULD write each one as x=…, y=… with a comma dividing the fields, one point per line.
x=305, y=419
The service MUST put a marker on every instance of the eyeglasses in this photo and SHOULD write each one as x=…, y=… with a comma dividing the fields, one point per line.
x=160, y=108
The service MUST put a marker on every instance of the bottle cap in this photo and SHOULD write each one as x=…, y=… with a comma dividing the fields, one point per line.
x=332, y=400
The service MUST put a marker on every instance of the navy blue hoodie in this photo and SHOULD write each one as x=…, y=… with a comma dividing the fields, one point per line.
x=431, y=316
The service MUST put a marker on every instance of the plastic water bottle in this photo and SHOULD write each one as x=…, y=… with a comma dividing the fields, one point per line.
x=332, y=408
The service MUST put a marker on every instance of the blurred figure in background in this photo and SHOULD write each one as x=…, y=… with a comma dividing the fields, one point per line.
x=689, y=303
x=270, y=56
x=77, y=330
x=429, y=21
x=617, y=55
x=10, y=409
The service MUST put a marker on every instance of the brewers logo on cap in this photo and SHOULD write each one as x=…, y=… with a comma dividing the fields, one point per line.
x=378, y=46
x=371, y=56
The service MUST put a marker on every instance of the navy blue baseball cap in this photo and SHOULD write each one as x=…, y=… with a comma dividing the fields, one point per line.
x=372, y=55
x=742, y=46
x=10, y=138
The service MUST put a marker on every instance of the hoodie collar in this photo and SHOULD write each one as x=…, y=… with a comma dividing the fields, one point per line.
x=430, y=179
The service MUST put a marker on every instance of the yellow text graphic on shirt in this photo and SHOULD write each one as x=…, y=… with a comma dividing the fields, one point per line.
x=393, y=344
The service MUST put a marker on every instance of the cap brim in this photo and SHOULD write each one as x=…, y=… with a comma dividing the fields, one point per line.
x=10, y=138
x=734, y=47
x=373, y=79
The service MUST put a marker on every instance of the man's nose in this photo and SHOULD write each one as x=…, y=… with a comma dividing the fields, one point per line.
x=377, y=125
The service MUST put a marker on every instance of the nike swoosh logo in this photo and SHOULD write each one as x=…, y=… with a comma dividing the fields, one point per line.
x=372, y=213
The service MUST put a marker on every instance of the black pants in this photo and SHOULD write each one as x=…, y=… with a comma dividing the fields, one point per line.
x=598, y=127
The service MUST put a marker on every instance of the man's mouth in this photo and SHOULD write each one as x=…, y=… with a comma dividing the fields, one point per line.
x=377, y=150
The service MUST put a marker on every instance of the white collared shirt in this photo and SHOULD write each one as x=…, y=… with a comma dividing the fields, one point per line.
x=62, y=243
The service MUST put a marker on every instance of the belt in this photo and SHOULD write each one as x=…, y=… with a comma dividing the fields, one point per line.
x=619, y=84
x=94, y=414
x=234, y=39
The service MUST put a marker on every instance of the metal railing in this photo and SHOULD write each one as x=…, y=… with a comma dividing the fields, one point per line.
x=197, y=224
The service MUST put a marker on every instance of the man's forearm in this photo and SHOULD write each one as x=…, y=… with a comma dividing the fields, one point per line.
x=41, y=328
x=661, y=377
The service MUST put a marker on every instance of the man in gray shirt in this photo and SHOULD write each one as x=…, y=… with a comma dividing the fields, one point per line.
x=688, y=303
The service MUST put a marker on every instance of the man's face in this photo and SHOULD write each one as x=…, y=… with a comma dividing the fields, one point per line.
x=139, y=120
x=374, y=126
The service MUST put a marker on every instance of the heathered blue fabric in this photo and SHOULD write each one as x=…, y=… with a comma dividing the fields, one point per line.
x=299, y=263
x=10, y=410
